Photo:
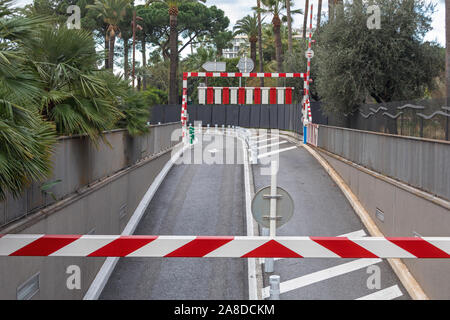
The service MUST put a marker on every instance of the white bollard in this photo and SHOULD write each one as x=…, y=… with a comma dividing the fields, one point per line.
x=274, y=287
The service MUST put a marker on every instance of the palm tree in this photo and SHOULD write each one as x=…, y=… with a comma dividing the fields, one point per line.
x=319, y=13
x=77, y=97
x=173, y=45
x=289, y=23
x=260, y=49
x=305, y=19
x=112, y=12
x=275, y=7
x=26, y=139
x=249, y=26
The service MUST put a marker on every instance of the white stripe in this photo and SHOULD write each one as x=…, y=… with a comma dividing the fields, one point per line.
x=84, y=246
x=359, y=233
x=306, y=247
x=12, y=242
x=322, y=275
x=382, y=247
x=236, y=248
x=161, y=246
x=272, y=145
x=275, y=152
x=441, y=243
x=385, y=294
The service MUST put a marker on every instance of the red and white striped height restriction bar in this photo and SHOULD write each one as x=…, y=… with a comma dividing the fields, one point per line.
x=228, y=247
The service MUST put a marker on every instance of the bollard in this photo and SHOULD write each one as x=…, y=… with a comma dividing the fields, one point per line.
x=268, y=262
x=274, y=287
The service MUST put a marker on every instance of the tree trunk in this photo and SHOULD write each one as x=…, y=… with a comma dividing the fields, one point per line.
x=319, y=13
x=289, y=25
x=112, y=41
x=260, y=49
x=305, y=18
x=106, y=52
x=253, y=50
x=330, y=10
x=173, y=80
x=447, y=49
x=144, y=63
x=278, y=45
x=126, y=66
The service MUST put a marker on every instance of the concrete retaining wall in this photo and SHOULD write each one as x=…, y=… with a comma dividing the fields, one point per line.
x=78, y=162
x=421, y=163
x=407, y=211
x=103, y=207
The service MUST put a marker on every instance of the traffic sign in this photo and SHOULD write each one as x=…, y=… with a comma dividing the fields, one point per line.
x=309, y=54
x=246, y=65
x=261, y=207
x=214, y=66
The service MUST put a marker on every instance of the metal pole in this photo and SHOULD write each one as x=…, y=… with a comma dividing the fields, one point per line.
x=273, y=199
x=268, y=262
x=274, y=287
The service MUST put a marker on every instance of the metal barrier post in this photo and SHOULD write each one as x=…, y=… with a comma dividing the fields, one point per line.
x=274, y=287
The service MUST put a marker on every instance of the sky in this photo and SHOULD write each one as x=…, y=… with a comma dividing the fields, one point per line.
x=236, y=9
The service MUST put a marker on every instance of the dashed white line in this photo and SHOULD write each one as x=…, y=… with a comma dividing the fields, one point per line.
x=275, y=152
x=322, y=275
x=385, y=294
x=260, y=141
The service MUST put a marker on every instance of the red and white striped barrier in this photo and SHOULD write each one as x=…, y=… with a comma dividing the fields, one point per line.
x=228, y=247
x=245, y=95
x=187, y=75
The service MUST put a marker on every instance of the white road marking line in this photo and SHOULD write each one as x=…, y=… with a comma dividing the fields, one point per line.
x=271, y=145
x=322, y=275
x=275, y=152
x=260, y=141
x=385, y=294
x=359, y=233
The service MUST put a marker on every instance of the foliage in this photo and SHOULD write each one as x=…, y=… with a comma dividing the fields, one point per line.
x=388, y=64
x=25, y=138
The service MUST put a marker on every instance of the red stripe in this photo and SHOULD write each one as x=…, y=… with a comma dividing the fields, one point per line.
x=254, y=75
x=297, y=75
x=267, y=75
x=224, y=74
x=273, y=96
x=226, y=96
x=209, y=74
x=257, y=96
x=194, y=74
x=185, y=75
x=272, y=249
x=200, y=247
x=419, y=247
x=282, y=75
x=122, y=246
x=238, y=74
x=241, y=98
x=344, y=247
x=288, y=97
x=209, y=95
x=45, y=245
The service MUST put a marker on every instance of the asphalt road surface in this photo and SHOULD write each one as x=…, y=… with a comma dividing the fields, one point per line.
x=320, y=210
x=194, y=199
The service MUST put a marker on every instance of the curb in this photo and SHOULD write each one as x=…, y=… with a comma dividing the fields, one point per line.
x=400, y=269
